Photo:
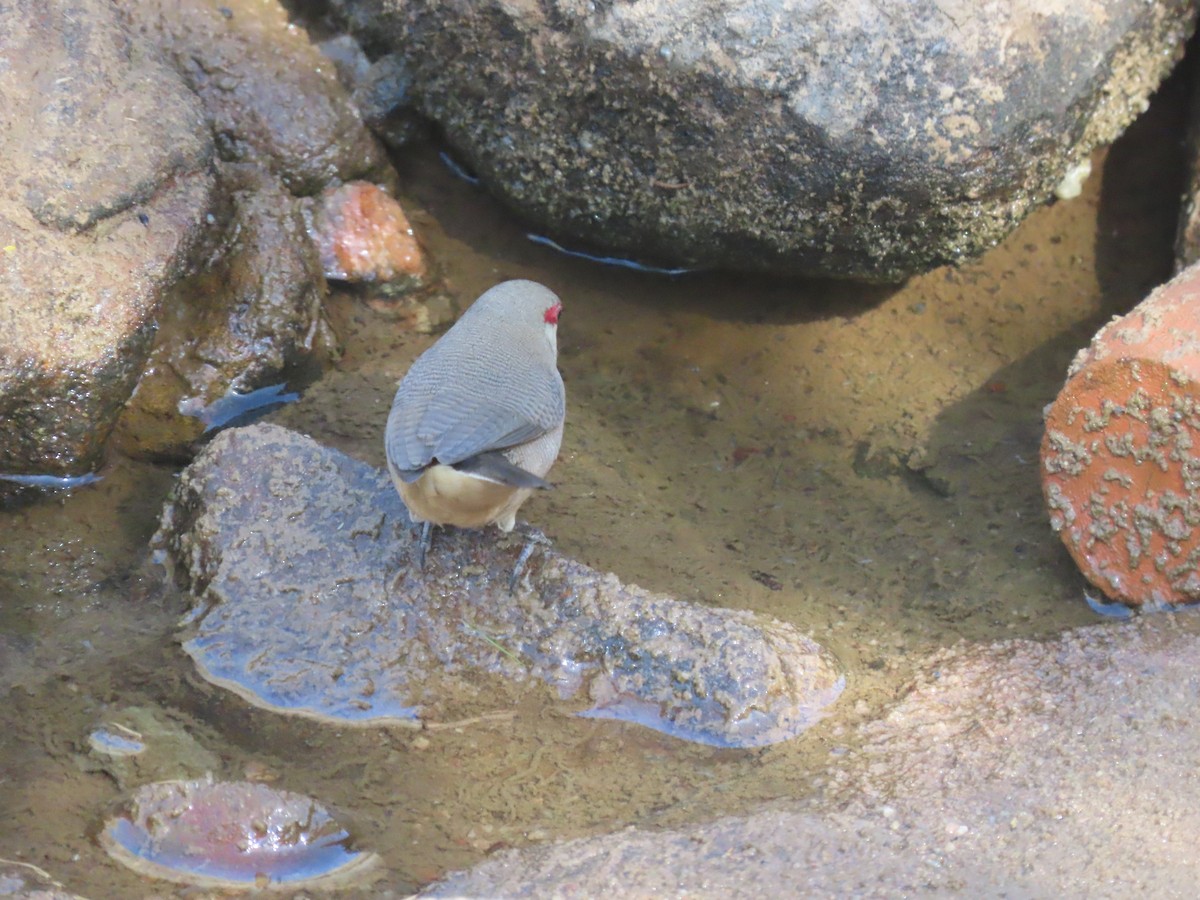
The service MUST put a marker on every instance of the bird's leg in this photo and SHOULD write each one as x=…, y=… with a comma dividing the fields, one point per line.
x=526, y=552
x=420, y=536
x=533, y=538
x=423, y=544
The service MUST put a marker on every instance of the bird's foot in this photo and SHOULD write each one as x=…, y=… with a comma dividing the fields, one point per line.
x=533, y=539
x=419, y=540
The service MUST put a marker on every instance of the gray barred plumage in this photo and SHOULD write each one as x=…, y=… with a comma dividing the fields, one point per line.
x=484, y=405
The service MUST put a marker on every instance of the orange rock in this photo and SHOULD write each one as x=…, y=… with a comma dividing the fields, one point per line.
x=362, y=234
x=1121, y=453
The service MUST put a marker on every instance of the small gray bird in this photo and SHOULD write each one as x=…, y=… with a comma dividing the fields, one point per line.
x=478, y=420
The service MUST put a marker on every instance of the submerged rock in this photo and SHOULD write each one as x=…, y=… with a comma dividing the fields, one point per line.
x=25, y=881
x=863, y=138
x=300, y=562
x=232, y=835
x=139, y=745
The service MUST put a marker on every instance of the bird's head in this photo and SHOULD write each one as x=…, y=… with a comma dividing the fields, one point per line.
x=522, y=304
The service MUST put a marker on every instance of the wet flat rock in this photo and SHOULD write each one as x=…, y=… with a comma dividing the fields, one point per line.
x=299, y=560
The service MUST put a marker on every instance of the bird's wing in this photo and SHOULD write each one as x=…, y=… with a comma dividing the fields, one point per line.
x=496, y=413
x=407, y=453
x=481, y=407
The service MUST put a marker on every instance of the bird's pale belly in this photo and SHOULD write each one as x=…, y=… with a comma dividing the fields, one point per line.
x=445, y=496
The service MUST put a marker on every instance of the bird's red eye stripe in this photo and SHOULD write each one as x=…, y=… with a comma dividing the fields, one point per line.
x=552, y=314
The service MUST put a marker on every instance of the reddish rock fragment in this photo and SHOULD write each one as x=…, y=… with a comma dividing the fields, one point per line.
x=362, y=234
x=1121, y=454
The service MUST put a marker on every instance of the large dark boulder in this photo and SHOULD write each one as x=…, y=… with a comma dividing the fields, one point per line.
x=864, y=138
